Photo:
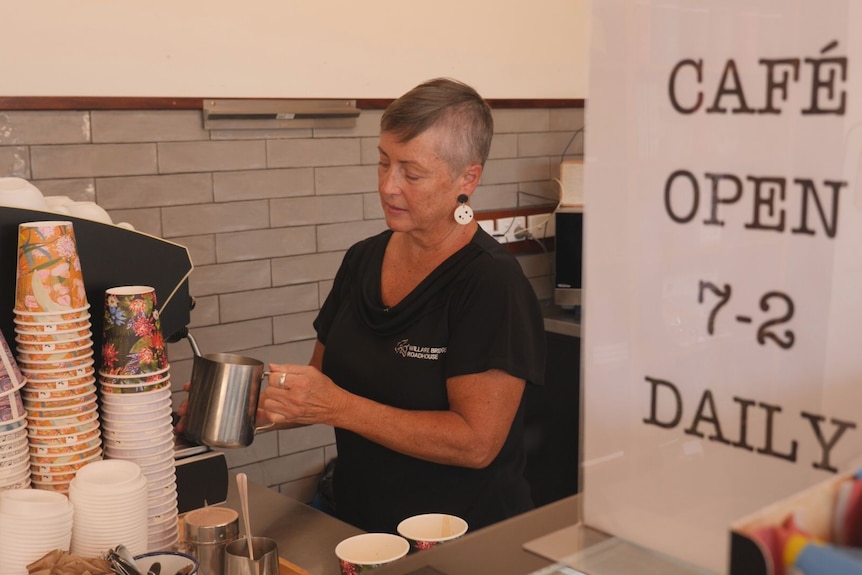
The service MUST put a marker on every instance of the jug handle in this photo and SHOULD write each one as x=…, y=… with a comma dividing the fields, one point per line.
x=184, y=333
x=271, y=424
x=194, y=344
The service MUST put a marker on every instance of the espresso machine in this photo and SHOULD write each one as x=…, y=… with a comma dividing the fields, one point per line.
x=112, y=256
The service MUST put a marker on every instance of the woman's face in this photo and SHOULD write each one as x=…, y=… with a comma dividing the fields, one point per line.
x=418, y=190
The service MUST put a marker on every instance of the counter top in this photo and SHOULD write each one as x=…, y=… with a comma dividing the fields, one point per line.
x=305, y=536
x=540, y=542
x=561, y=321
x=498, y=548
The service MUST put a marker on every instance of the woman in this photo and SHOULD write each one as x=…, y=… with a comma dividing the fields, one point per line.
x=427, y=338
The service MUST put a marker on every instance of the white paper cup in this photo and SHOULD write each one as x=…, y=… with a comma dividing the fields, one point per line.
x=20, y=421
x=31, y=504
x=122, y=404
x=370, y=550
x=129, y=452
x=430, y=529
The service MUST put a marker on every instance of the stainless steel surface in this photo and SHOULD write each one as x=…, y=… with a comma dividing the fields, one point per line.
x=614, y=555
x=122, y=561
x=561, y=321
x=223, y=396
x=305, y=536
x=238, y=561
x=543, y=540
x=183, y=448
x=498, y=549
x=270, y=114
x=206, y=533
x=567, y=296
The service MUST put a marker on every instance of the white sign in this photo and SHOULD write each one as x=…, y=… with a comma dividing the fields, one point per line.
x=723, y=266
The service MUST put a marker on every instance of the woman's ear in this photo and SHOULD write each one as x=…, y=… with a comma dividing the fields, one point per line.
x=470, y=178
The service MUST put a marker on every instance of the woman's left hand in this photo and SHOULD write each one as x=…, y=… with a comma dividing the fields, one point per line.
x=301, y=394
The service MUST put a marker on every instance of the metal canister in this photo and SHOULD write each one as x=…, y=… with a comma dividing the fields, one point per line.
x=207, y=531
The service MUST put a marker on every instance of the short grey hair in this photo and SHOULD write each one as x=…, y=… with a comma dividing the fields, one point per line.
x=451, y=105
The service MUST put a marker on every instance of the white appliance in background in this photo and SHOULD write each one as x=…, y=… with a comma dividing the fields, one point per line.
x=572, y=182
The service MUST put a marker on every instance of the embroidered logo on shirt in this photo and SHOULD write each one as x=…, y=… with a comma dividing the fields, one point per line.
x=404, y=349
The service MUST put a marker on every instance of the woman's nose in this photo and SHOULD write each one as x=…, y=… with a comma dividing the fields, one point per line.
x=387, y=181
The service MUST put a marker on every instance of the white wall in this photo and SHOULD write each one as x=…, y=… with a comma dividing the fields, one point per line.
x=290, y=48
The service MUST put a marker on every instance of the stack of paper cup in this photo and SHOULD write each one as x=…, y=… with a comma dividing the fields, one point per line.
x=14, y=455
x=54, y=349
x=32, y=523
x=134, y=381
x=49, y=278
x=110, y=502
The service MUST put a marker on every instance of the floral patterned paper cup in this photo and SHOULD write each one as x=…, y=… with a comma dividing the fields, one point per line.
x=83, y=407
x=49, y=277
x=64, y=374
x=52, y=344
x=43, y=437
x=18, y=422
x=364, y=552
x=11, y=405
x=161, y=383
x=140, y=379
x=12, y=380
x=57, y=390
x=132, y=342
x=37, y=325
x=14, y=469
x=59, y=356
x=428, y=530
x=65, y=448
x=83, y=360
x=61, y=425
x=10, y=373
x=10, y=439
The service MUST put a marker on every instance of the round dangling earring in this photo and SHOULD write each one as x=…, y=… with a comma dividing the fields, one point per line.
x=463, y=213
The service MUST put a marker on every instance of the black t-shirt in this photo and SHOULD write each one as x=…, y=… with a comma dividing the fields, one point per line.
x=475, y=312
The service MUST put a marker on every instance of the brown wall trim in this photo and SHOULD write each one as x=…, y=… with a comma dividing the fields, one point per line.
x=93, y=103
x=107, y=103
x=495, y=103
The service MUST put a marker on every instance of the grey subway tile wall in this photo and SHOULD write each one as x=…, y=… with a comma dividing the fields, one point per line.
x=266, y=216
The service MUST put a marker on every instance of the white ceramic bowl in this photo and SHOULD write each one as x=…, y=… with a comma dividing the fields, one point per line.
x=19, y=193
x=58, y=204
x=171, y=561
x=89, y=211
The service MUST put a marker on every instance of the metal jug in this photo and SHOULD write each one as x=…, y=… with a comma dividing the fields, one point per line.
x=223, y=397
